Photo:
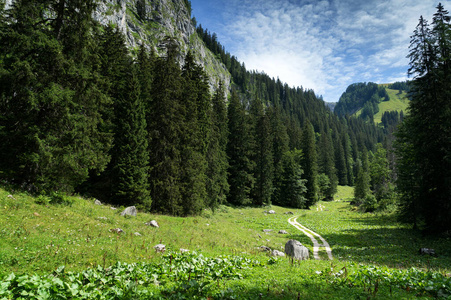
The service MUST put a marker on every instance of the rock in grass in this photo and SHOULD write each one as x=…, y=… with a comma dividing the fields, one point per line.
x=137, y=234
x=97, y=202
x=277, y=253
x=271, y=212
x=289, y=213
x=267, y=230
x=265, y=248
x=160, y=248
x=130, y=211
x=116, y=230
x=296, y=250
x=283, y=232
x=183, y=250
x=427, y=251
x=152, y=223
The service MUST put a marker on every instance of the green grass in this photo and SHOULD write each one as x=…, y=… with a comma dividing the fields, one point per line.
x=37, y=239
x=398, y=102
x=344, y=193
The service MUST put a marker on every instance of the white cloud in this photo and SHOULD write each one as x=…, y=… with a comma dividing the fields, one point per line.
x=324, y=45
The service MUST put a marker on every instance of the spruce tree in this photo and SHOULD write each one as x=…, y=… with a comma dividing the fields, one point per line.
x=55, y=93
x=166, y=120
x=241, y=166
x=326, y=164
x=262, y=155
x=309, y=163
x=217, y=185
x=292, y=188
x=424, y=139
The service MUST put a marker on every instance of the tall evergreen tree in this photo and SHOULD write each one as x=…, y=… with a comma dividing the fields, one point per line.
x=326, y=164
x=217, y=185
x=166, y=120
x=362, y=187
x=309, y=163
x=195, y=103
x=428, y=142
x=240, y=179
x=52, y=104
x=292, y=188
x=262, y=155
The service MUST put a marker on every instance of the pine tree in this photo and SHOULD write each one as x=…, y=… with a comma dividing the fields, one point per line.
x=424, y=139
x=292, y=188
x=326, y=164
x=309, y=163
x=217, y=185
x=280, y=146
x=195, y=103
x=240, y=178
x=262, y=155
x=166, y=119
x=56, y=95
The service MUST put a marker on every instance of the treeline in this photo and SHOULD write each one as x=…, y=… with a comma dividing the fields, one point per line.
x=78, y=113
x=364, y=96
x=423, y=144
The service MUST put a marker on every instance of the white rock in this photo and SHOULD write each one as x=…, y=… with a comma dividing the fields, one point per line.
x=130, y=211
x=277, y=253
x=160, y=248
x=153, y=223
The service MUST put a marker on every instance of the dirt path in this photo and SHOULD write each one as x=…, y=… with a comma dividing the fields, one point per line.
x=312, y=236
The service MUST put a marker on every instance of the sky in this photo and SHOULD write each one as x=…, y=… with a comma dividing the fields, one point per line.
x=324, y=45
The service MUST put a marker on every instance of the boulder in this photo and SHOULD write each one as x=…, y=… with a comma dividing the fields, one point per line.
x=296, y=250
x=130, y=211
x=283, y=232
x=97, y=202
x=271, y=212
x=160, y=248
x=277, y=253
x=153, y=223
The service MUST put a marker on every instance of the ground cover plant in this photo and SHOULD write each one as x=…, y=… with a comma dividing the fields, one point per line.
x=65, y=250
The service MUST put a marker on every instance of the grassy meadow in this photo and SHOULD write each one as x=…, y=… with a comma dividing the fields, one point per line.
x=37, y=239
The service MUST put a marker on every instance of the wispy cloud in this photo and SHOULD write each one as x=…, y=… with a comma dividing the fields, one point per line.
x=322, y=45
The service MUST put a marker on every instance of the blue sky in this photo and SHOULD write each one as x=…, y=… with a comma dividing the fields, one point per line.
x=324, y=45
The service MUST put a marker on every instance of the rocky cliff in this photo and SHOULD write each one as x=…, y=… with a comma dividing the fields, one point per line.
x=150, y=21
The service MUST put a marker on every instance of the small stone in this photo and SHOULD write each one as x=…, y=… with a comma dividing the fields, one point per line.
x=97, y=202
x=283, y=232
x=183, y=250
x=11, y=197
x=268, y=240
x=153, y=223
x=265, y=248
x=427, y=251
x=271, y=212
x=116, y=230
x=36, y=214
x=267, y=230
x=113, y=208
x=289, y=213
x=160, y=248
x=102, y=218
x=130, y=211
x=277, y=253
x=137, y=234
x=259, y=236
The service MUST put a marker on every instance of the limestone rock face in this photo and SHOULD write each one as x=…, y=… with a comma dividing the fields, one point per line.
x=296, y=250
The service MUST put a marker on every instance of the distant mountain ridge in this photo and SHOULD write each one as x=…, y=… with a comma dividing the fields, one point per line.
x=369, y=101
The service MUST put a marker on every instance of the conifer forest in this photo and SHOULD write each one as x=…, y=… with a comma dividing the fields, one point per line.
x=81, y=112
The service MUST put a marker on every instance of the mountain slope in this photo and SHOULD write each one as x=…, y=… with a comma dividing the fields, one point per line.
x=364, y=100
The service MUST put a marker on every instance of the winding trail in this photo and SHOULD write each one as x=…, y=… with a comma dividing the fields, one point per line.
x=311, y=234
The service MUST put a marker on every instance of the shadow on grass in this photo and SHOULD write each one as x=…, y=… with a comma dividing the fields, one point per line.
x=373, y=242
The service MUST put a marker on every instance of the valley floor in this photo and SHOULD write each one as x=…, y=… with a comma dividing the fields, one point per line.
x=37, y=239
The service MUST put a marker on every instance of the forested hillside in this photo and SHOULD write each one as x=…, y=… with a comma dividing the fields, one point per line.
x=82, y=112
